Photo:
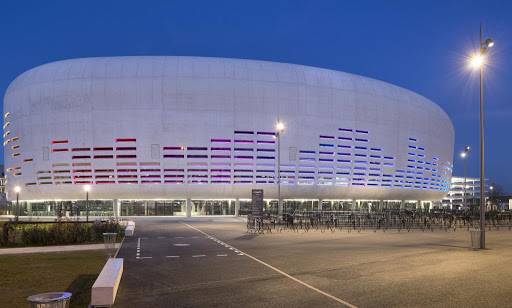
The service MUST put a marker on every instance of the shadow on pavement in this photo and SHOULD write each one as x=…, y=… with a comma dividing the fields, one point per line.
x=81, y=290
x=246, y=237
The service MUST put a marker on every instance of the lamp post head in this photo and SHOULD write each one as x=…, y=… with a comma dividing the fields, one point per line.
x=488, y=43
x=467, y=148
x=463, y=154
x=476, y=60
x=17, y=189
x=87, y=188
x=279, y=127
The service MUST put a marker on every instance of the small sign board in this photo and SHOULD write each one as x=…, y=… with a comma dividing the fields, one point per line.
x=257, y=202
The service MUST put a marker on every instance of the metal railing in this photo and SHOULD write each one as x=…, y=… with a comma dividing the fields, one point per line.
x=400, y=220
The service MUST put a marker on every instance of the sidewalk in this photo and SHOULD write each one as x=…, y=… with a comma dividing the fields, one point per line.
x=45, y=249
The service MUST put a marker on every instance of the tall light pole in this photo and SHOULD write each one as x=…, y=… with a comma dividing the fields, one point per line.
x=279, y=130
x=17, y=190
x=477, y=61
x=87, y=188
x=464, y=155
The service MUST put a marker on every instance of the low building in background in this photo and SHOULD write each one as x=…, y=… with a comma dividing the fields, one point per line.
x=500, y=202
x=460, y=198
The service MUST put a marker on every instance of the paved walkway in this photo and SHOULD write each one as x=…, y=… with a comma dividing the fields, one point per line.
x=45, y=249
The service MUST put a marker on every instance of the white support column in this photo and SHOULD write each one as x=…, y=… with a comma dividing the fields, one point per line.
x=402, y=204
x=353, y=207
x=320, y=204
x=237, y=207
x=189, y=208
x=116, y=207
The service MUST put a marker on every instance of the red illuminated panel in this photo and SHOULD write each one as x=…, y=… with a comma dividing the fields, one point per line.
x=59, y=141
x=126, y=164
x=103, y=170
x=103, y=149
x=105, y=176
x=60, y=150
x=126, y=148
x=81, y=157
x=126, y=140
x=126, y=156
x=126, y=170
x=82, y=170
x=174, y=148
x=173, y=156
x=80, y=164
x=82, y=177
x=103, y=156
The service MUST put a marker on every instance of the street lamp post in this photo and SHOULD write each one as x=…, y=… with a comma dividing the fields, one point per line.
x=279, y=130
x=87, y=188
x=463, y=155
x=477, y=61
x=491, y=190
x=17, y=190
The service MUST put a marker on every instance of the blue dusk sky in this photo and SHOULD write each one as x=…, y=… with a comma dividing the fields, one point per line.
x=419, y=45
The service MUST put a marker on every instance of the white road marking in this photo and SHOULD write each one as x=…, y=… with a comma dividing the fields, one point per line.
x=222, y=255
x=146, y=257
x=138, y=249
x=339, y=300
x=198, y=256
x=172, y=256
x=178, y=237
x=181, y=245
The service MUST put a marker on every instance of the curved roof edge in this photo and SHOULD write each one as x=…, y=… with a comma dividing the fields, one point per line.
x=303, y=67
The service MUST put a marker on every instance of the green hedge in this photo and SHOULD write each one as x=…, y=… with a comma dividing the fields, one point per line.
x=68, y=233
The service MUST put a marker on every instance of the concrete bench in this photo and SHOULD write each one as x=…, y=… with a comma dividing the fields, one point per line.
x=129, y=227
x=104, y=289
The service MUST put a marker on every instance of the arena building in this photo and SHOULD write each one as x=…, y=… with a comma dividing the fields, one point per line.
x=193, y=136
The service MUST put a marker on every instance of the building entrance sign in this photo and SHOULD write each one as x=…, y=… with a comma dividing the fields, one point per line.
x=257, y=202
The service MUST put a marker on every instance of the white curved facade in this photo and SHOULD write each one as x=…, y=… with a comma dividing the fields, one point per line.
x=191, y=127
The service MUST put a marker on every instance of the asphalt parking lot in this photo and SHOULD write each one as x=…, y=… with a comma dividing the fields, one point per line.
x=204, y=263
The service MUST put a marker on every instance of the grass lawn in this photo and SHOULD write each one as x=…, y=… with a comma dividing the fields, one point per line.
x=28, y=274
